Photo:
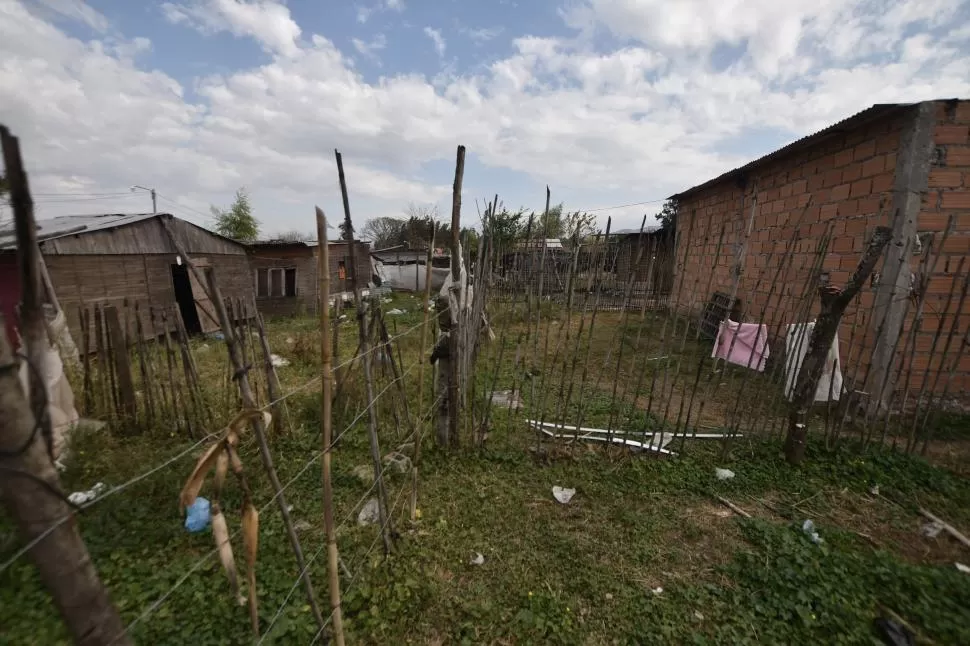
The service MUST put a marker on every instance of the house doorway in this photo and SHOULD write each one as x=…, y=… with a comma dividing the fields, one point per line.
x=186, y=302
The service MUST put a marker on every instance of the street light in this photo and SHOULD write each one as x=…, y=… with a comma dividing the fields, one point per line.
x=150, y=190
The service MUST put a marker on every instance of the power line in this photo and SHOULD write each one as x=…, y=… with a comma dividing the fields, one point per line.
x=622, y=206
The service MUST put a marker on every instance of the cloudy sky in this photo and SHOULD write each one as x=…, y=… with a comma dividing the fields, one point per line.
x=609, y=102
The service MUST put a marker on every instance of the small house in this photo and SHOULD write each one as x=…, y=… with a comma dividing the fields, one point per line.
x=126, y=259
x=284, y=273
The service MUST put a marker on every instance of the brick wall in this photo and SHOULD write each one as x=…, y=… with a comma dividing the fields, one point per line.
x=948, y=196
x=842, y=185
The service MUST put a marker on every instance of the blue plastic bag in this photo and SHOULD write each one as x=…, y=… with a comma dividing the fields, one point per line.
x=197, y=515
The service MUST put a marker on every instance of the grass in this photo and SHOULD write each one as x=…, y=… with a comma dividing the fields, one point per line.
x=582, y=573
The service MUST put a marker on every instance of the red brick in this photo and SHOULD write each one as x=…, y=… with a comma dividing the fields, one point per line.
x=773, y=194
x=874, y=166
x=861, y=188
x=818, y=229
x=828, y=211
x=957, y=244
x=848, y=208
x=887, y=143
x=843, y=158
x=799, y=187
x=852, y=172
x=832, y=177
x=815, y=182
x=891, y=162
x=931, y=221
x=956, y=134
x=839, y=193
x=841, y=245
x=962, y=113
x=940, y=178
x=848, y=262
x=856, y=226
x=956, y=199
x=864, y=150
x=786, y=190
x=882, y=183
x=870, y=206
x=777, y=206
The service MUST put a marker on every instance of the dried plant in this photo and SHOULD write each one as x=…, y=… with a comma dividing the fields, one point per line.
x=220, y=457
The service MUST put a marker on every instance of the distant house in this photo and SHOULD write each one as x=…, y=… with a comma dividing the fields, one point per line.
x=110, y=259
x=654, y=250
x=906, y=166
x=405, y=269
x=284, y=274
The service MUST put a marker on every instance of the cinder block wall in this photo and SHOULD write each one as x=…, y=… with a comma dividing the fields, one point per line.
x=842, y=185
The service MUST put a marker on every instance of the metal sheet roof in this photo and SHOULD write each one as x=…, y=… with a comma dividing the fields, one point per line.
x=67, y=225
x=872, y=113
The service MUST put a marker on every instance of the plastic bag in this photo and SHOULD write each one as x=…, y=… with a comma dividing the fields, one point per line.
x=197, y=515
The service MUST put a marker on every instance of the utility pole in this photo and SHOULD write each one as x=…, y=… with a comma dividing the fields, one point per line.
x=150, y=190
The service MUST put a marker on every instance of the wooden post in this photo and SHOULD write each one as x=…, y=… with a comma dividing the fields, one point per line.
x=454, y=303
x=365, y=353
x=86, y=358
x=834, y=302
x=119, y=348
x=424, y=344
x=326, y=403
x=281, y=417
x=145, y=367
x=29, y=485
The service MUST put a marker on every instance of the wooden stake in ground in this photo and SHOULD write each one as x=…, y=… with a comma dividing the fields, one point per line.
x=424, y=344
x=326, y=401
x=834, y=302
x=375, y=447
x=29, y=486
x=454, y=302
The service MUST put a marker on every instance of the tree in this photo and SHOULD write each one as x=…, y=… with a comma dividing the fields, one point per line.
x=504, y=228
x=384, y=232
x=668, y=216
x=550, y=224
x=578, y=225
x=237, y=222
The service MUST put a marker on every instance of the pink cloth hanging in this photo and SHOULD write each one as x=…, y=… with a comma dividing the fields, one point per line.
x=749, y=347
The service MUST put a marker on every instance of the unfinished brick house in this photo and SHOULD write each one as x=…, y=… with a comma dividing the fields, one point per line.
x=906, y=166
x=285, y=274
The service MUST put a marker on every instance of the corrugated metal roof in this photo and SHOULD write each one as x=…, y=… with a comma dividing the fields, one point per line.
x=67, y=225
x=872, y=113
x=627, y=232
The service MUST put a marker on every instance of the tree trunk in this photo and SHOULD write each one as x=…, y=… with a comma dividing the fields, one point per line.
x=834, y=301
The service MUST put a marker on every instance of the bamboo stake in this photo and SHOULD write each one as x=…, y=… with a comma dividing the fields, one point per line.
x=326, y=402
x=375, y=449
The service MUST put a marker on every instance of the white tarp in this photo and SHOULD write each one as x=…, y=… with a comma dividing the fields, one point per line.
x=60, y=397
x=410, y=277
x=796, y=346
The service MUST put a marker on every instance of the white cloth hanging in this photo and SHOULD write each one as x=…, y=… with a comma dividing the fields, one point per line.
x=796, y=346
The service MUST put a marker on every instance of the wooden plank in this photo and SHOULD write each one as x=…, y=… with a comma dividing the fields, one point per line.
x=116, y=339
x=86, y=357
x=145, y=367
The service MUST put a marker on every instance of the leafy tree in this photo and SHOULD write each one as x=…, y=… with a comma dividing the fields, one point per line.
x=384, y=232
x=668, y=216
x=579, y=226
x=505, y=228
x=237, y=222
x=550, y=224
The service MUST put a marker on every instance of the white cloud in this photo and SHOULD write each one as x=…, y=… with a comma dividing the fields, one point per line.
x=483, y=34
x=437, y=39
x=365, y=11
x=75, y=10
x=639, y=120
x=369, y=48
x=266, y=21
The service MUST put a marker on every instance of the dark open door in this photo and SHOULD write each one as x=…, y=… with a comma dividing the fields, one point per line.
x=183, y=296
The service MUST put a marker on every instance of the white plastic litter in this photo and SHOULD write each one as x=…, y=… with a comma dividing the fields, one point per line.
x=478, y=559
x=385, y=300
x=723, y=474
x=963, y=568
x=370, y=514
x=278, y=361
x=81, y=497
x=562, y=494
x=931, y=530
x=396, y=312
x=658, y=590
x=809, y=528
x=874, y=490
